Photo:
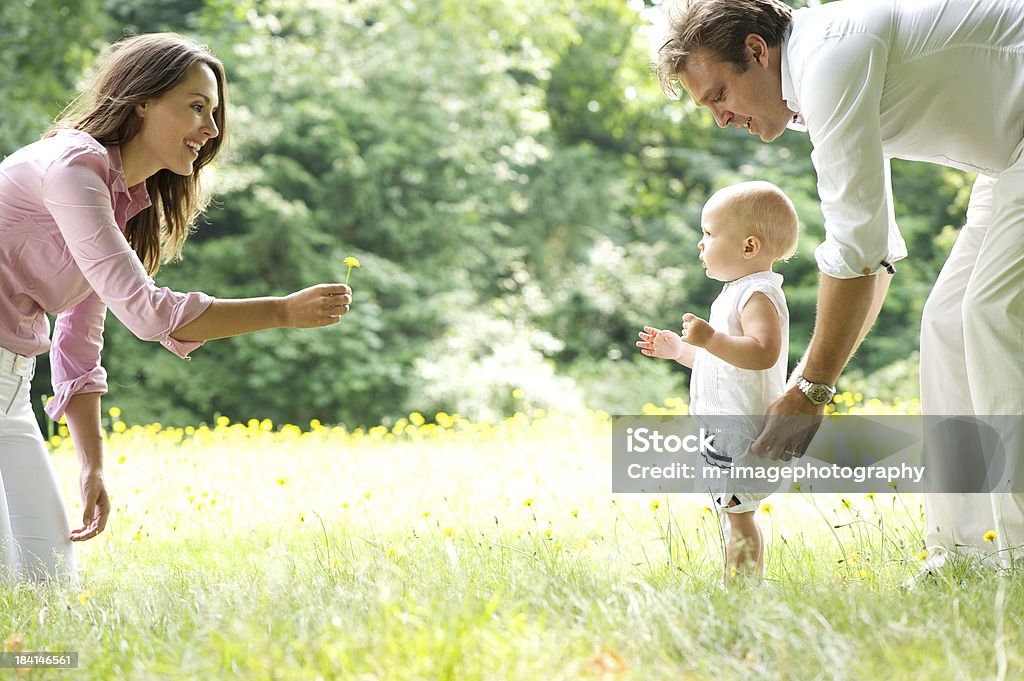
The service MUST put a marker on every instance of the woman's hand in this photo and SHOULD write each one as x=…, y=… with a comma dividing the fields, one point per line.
x=95, y=504
x=319, y=305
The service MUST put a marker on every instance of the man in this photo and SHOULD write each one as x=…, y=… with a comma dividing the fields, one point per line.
x=939, y=81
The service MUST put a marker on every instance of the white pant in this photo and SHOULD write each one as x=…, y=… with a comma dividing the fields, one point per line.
x=972, y=358
x=34, y=527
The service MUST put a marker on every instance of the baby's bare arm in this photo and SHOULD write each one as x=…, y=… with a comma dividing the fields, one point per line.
x=759, y=346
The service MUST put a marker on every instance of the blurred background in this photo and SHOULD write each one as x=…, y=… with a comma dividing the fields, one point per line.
x=520, y=193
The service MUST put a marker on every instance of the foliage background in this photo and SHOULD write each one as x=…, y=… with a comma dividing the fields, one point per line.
x=520, y=193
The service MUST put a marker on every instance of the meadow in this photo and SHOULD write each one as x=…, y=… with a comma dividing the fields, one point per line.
x=438, y=548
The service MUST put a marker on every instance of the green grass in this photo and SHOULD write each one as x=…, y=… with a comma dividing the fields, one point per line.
x=487, y=554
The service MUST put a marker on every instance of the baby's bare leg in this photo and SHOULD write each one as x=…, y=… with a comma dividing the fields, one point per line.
x=744, y=555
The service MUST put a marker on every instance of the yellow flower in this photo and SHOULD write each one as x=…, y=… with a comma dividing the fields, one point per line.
x=528, y=502
x=869, y=496
x=85, y=596
x=922, y=555
x=574, y=513
x=796, y=486
x=655, y=504
x=114, y=412
x=350, y=262
x=548, y=533
x=767, y=508
x=847, y=504
x=449, y=532
x=991, y=536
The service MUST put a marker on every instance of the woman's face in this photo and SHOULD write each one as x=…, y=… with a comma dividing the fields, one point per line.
x=176, y=125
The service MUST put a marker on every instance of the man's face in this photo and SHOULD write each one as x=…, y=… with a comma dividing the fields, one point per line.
x=752, y=99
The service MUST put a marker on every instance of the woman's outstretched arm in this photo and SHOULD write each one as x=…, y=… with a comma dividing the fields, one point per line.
x=319, y=305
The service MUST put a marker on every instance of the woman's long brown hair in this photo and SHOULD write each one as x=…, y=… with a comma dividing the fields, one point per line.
x=131, y=72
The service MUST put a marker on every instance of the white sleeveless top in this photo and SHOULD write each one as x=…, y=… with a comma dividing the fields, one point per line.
x=717, y=387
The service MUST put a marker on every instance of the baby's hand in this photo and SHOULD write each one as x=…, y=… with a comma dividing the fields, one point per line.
x=659, y=343
x=696, y=331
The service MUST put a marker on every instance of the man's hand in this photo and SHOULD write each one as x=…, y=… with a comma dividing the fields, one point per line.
x=95, y=503
x=660, y=343
x=790, y=424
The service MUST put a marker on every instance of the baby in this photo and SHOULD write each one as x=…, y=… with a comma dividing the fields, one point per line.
x=739, y=355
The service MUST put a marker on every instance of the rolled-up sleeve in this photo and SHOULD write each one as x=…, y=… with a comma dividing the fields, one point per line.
x=841, y=95
x=75, y=354
x=80, y=202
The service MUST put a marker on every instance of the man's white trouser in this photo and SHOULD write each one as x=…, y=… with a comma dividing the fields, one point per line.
x=34, y=527
x=972, y=360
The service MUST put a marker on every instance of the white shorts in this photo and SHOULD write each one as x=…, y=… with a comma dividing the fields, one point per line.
x=733, y=437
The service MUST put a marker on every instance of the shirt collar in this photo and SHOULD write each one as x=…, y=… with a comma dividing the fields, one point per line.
x=788, y=87
x=138, y=195
x=765, y=275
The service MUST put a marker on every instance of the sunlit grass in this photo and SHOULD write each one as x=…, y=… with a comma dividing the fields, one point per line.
x=441, y=548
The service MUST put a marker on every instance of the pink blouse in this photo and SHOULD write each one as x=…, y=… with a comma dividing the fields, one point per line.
x=64, y=205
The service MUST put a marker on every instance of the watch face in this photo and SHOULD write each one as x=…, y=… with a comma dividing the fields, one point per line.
x=819, y=394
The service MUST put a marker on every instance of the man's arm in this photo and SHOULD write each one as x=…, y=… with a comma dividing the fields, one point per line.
x=847, y=309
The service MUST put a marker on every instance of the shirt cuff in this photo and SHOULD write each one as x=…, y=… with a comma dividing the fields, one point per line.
x=94, y=381
x=194, y=305
x=833, y=261
x=181, y=348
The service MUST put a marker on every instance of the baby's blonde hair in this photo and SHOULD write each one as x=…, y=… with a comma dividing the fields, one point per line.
x=763, y=210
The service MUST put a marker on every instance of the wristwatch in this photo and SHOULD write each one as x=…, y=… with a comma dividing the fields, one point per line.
x=817, y=393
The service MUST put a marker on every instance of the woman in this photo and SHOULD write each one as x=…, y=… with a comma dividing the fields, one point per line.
x=87, y=214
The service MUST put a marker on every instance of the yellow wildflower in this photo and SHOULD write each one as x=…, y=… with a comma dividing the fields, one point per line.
x=350, y=262
x=767, y=508
x=655, y=504
x=991, y=536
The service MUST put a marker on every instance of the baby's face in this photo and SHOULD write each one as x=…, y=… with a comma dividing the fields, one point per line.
x=721, y=246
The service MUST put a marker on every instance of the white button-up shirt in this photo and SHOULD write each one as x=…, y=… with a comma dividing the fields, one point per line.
x=933, y=80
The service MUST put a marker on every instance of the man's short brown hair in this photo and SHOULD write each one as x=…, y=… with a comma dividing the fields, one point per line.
x=717, y=28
